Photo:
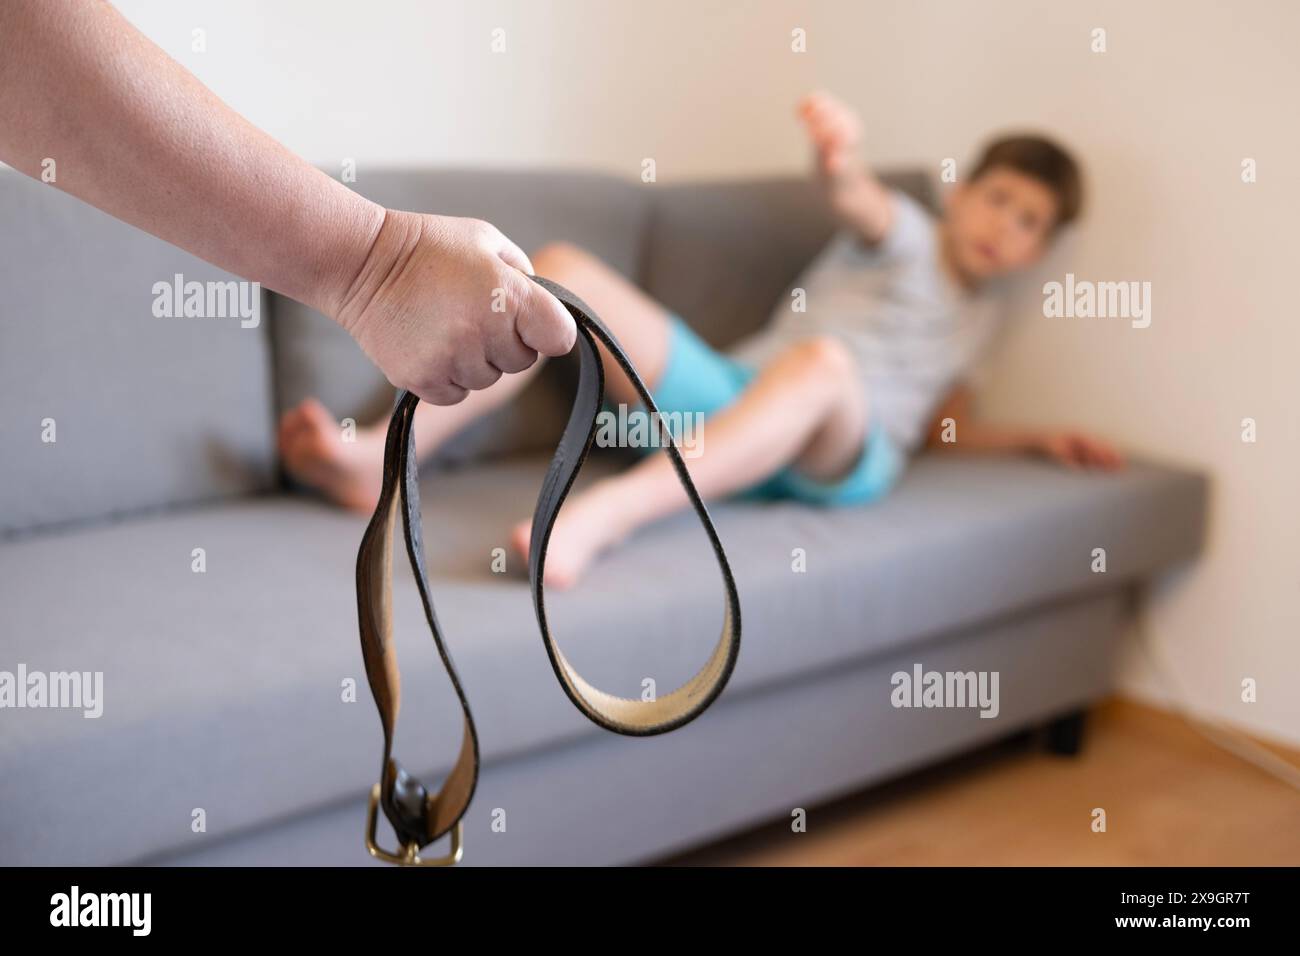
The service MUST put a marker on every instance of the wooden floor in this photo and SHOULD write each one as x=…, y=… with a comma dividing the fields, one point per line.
x=1171, y=798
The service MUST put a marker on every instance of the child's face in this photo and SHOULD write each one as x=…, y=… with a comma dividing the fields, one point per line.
x=999, y=223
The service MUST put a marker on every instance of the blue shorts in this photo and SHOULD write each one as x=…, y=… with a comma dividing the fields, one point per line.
x=698, y=379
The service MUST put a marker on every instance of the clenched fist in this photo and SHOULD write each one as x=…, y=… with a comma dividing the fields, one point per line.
x=444, y=305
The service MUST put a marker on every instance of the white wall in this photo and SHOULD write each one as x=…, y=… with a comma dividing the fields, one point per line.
x=1185, y=91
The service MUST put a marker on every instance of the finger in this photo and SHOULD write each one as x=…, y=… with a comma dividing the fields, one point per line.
x=512, y=255
x=817, y=116
x=506, y=350
x=1066, y=455
x=812, y=101
x=826, y=127
x=1081, y=450
x=827, y=104
x=543, y=324
x=473, y=372
x=442, y=393
x=1098, y=454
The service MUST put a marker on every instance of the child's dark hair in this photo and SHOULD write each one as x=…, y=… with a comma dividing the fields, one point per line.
x=1043, y=160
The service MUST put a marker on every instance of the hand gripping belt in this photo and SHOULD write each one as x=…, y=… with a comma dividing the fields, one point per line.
x=418, y=816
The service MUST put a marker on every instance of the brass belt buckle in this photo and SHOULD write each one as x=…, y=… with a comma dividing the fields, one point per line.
x=410, y=855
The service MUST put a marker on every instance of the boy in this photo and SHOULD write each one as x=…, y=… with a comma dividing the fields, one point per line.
x=824, y=405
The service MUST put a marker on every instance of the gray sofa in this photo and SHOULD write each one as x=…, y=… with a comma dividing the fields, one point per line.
x=228, y=734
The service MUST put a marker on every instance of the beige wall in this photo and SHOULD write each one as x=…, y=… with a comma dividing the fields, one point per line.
x=1163, y=119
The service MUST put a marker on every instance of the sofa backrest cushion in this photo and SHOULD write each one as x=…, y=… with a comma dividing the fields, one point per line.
x=144, y=411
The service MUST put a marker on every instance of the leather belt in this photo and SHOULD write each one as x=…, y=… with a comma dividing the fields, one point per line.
x=418, y=816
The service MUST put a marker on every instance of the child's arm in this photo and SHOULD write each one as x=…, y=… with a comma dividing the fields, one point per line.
x=956, y=421
x=860, y=200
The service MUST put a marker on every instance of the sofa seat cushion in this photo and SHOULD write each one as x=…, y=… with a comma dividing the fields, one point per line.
x=227, y=690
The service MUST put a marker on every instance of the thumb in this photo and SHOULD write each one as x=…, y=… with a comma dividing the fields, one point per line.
x=543, y=323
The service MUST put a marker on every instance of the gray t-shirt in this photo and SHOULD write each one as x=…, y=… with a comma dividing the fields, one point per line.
x=912, y=329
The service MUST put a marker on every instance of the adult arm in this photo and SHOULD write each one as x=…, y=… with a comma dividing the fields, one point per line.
x=134, y=133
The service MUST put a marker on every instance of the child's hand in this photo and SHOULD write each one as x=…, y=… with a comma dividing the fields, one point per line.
x=835, y=131
x=1077, y=450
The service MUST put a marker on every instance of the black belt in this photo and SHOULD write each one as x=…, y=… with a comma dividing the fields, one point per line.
x=419, y=817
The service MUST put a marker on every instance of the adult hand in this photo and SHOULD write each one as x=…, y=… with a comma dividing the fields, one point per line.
x=444, y=305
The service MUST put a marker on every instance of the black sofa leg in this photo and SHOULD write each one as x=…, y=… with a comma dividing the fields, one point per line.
x=1064, y=735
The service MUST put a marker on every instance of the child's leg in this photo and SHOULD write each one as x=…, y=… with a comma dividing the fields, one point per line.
x=311, y=442
x=805, y=408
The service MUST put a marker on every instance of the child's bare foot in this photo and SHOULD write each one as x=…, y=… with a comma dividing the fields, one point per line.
x=588, y=524
x=312, y=446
